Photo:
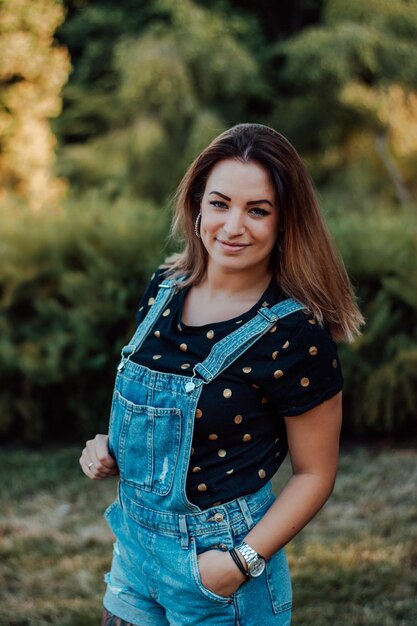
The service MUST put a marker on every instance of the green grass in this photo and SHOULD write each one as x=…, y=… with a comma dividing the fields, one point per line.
x=355, y=564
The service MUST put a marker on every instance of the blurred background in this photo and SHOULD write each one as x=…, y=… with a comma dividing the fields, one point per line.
x=103, y=105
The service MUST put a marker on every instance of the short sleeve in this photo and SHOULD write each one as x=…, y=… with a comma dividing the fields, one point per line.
x=306, y=370
x=148, y=296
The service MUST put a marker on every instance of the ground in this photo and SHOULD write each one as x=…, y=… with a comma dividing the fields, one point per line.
x=355, y=564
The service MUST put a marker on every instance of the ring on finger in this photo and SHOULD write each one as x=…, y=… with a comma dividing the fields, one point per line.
x=90, y=465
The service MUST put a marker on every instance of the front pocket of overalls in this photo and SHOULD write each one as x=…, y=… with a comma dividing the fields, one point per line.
x=146, y=442
x=195, y=571
x=279, y=582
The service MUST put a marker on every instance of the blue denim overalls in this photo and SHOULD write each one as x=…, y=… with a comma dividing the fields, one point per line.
x=154, y=578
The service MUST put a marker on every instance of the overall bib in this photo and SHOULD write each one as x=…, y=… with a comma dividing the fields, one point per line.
x=154, y=578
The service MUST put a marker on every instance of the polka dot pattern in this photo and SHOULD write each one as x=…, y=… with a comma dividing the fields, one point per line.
x=233, y=426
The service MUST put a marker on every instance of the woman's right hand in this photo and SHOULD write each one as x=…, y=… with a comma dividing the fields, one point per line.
x=96, y=461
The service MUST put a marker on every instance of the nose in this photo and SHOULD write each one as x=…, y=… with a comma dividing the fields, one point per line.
x=234, y=223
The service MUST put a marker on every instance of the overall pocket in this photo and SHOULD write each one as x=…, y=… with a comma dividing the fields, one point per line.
x=145, y=441
x=279, y=582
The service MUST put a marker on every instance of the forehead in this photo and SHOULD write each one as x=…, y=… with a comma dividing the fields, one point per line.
x=233, y=177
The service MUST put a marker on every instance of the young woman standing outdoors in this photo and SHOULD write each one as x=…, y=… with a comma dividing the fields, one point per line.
x=232, y=365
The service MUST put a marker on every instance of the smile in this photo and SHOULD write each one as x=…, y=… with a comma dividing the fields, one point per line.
x=232, y=247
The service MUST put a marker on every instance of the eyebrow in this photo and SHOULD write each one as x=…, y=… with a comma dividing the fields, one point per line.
x=249, y=203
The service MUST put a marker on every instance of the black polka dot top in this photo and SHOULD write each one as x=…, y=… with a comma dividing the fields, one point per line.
x=239, y=439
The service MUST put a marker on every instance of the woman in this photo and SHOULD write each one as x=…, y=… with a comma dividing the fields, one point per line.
x=233, y=364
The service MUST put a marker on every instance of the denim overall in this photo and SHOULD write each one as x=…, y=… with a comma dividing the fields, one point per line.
x=154, y=578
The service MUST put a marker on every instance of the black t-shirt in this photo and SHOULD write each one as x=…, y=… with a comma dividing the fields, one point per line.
x=239, y=438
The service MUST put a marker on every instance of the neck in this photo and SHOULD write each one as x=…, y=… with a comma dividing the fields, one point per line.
x=233, y=283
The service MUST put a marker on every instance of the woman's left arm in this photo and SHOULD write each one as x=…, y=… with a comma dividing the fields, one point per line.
x=313, y=444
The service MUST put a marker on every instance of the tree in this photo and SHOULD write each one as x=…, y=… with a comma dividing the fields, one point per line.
x=32, y=73
x=173, y=84
x=352, y=78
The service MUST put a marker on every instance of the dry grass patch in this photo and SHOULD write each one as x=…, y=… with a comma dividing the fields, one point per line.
x=354, y=564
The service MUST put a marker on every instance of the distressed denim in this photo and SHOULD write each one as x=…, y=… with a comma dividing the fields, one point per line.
x=154, y=578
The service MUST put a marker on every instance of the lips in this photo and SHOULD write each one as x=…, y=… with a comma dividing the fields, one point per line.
x=232, y=246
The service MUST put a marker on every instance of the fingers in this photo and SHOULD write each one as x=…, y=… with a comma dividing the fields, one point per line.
x=95, y=460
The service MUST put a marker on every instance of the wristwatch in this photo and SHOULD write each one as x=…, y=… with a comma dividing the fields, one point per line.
x=254, y=561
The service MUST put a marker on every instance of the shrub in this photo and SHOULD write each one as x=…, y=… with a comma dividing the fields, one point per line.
x=69, y=286
x=380, y=250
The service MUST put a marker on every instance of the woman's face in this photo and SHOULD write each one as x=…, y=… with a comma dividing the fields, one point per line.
x=239, y=216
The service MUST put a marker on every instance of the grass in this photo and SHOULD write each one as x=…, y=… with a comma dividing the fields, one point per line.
x=355, y=564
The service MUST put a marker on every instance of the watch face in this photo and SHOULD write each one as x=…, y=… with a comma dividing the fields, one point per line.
x=257, y=568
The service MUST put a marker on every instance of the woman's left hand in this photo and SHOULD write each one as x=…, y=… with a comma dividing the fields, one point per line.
x=219, y=573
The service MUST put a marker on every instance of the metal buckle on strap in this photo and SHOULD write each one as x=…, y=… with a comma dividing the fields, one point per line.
x=204, y=372
x=268, y=315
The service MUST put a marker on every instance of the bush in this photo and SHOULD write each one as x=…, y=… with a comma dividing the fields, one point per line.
x=380, y=250
x=70, y=283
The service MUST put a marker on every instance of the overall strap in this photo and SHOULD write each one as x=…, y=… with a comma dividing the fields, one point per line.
x=164, y=295
x=231, y=347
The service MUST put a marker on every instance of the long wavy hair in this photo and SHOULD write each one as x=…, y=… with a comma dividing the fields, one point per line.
x=305, y=262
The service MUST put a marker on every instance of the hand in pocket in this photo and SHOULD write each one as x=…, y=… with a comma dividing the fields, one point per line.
x=219, y=573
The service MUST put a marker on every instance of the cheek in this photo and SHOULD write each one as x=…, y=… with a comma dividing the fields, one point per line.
x=209, y=223
x=268, y=236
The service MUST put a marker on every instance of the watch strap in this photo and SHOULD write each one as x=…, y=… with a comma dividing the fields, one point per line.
x=249, y=554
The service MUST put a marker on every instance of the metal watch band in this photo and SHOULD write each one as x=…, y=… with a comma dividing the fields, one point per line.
x=255, y=562
x=249, y=554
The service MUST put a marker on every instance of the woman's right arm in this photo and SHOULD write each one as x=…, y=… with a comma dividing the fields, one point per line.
x=96, y=461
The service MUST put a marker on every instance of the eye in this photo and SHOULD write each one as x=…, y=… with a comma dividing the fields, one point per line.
x=218, y=204
x=258, y=212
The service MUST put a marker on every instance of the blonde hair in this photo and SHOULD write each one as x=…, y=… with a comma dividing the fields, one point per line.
x=306, y=263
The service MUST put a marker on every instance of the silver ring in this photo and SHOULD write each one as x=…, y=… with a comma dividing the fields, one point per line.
x=90, y=465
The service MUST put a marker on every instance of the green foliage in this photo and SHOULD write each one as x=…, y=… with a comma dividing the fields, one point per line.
x=353, y=77
x=165, y=78
x=70, y=284
x=380, y=368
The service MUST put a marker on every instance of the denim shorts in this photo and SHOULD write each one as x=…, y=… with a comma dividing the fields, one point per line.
x=154, y=578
